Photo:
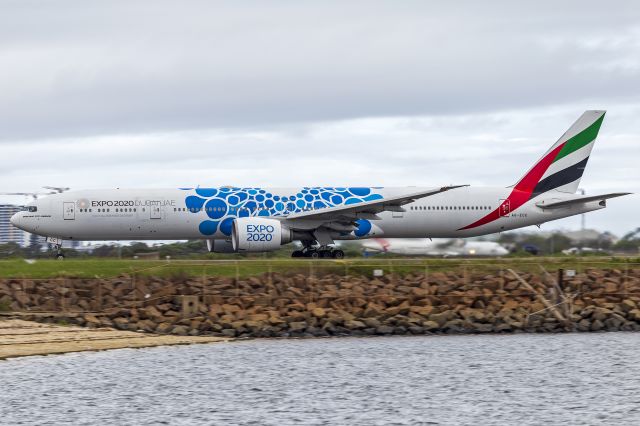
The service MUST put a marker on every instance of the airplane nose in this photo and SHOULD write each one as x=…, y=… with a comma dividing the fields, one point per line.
x=15, y=220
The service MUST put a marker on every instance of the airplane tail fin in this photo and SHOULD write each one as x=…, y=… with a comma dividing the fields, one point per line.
x=561, y=167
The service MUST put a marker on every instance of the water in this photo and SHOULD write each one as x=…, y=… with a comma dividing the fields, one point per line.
x=518, y=379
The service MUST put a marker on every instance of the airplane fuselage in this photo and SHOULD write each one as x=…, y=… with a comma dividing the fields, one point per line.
x=433, y=247
x=207, y=213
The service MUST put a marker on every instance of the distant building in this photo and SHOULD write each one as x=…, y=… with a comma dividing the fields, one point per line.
x=8, y=232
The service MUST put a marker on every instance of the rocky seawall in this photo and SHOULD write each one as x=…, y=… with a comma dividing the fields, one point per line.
x=280, y=305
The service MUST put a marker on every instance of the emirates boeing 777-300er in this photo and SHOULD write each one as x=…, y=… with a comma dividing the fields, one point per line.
x=233, y=219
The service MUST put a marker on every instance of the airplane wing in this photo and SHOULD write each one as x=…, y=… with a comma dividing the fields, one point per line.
x=368, y=209
x=321, y=221
x=552, y=204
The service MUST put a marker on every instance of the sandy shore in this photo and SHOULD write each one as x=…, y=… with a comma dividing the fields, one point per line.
x=25, y=338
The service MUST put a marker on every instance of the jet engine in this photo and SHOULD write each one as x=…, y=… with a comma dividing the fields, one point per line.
x=220, y=246
x=255, y=234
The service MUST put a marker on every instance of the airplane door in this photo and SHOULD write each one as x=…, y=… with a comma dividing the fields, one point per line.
x=155, y=212
x=505, y=208
x=68, y=211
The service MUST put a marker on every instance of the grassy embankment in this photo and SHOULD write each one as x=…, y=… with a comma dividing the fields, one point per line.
x=104, y=268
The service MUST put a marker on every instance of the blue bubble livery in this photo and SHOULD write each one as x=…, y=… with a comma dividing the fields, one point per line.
x=222, y=205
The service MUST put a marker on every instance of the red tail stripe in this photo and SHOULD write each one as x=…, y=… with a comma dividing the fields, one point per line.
x=522, y=191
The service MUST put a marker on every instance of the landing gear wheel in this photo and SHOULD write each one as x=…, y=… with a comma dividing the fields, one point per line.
x=325, y=254
x=297, y=253
x=60, y=256
x=338, y=254
x=314, y=255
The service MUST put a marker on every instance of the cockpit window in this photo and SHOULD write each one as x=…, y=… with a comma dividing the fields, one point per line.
x=31, y=209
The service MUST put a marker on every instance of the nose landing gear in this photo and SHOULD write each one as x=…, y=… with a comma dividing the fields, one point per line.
x=59, y=253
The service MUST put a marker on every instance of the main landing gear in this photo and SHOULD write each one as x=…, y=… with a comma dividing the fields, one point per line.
x=321, y=252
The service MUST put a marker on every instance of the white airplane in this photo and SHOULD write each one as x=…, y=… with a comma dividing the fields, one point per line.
x=427, y=247
x=233, y=219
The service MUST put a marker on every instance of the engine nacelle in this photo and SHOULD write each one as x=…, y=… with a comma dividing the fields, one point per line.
x=220, y=246
x=256, y=234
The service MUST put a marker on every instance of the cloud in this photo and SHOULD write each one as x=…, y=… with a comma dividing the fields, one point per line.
x=159, y=66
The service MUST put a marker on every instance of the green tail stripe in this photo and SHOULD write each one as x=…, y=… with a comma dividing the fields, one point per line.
x=583, y=138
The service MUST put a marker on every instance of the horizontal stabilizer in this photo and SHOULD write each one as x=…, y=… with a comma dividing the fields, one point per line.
x=556, y=204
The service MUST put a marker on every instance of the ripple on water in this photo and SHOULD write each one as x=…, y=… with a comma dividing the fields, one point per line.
x=524, y=379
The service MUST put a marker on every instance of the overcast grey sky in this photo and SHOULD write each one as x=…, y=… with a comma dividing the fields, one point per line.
x=176, y=93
